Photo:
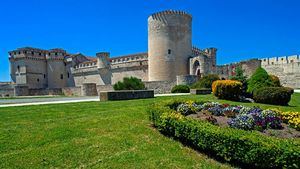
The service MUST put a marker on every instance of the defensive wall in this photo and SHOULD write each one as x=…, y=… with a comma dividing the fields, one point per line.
x=287, y=68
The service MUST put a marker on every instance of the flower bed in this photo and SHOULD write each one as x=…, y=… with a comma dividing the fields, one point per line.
x=247, y=148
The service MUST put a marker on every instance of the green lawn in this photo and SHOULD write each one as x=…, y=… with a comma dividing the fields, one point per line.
x=96, y=135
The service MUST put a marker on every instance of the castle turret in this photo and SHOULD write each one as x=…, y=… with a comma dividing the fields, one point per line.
x=212, y=52
x=169, y=45
x=103, y=59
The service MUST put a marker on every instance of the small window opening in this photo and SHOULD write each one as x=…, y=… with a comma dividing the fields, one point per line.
x=18, y=68
x=37, y=80
x=169, y=51
x=61, y=76
x=68, y=75
x=32, y=53
x=44, y=76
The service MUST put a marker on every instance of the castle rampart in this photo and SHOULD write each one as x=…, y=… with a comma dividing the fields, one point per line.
x=287, y=68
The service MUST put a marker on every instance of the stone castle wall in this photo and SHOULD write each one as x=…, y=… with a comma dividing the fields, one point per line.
x=6, y=90
x=160, y=87
x=249, y=66
x=287, y=68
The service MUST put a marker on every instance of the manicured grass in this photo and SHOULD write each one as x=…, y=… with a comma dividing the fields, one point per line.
x=97, y=135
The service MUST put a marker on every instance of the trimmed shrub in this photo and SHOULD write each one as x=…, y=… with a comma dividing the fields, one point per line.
x=259, y=79
x=205, y=82
x=180, y=89
x=273, y=95
x=245, y=148
x=275, y=81
x=227, y=89
x=130, y=83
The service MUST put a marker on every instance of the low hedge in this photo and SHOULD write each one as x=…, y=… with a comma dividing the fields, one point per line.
x=227, y=89
x=246, y=148
x=273, y=95
x=180, y=89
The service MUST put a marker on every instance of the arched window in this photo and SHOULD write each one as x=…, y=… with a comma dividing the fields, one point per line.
x=169, y=51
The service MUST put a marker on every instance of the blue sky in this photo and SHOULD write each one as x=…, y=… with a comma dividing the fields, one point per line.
x=240, y=29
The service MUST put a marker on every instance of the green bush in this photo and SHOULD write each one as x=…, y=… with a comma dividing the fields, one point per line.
x=130, y=83
x=275, y=80
x=205, y=82
x=180, y=89
x=273, y=95
x=246, y=148
x=259, y=79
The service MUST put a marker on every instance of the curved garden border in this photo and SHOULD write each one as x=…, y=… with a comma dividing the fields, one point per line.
x=246, y=148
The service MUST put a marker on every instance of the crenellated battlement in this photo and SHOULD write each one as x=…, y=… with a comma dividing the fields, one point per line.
x=171, y=12
x=280, y=60
x=86, y=65
x=197, y=51
x=37, y=54
x=129, y=58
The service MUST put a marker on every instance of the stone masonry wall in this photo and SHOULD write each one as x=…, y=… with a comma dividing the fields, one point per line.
x=42, y=92
x=160, y=87
x=71, y=91
x=286, y=68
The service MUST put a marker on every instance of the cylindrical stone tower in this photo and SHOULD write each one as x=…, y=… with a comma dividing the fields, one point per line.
x=169, y=45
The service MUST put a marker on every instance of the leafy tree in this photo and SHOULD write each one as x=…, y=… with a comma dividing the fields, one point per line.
x=259, y=79
x=239, y=75
x=130, y=83
x=205, y=82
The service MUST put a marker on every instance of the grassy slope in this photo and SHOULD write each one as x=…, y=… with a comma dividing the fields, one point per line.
x=95, y=135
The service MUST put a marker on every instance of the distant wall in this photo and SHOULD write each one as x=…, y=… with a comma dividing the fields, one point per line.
x=40, y=92
x=138, y=69
x=160, y=87
x=101, y=88
x=187, y=79
x=71, y=91
x=287, y=68
x=7, y=92
x=249, y=67
x=57, y=74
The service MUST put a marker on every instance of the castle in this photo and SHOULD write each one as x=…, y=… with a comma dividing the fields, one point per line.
x=171, y=57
